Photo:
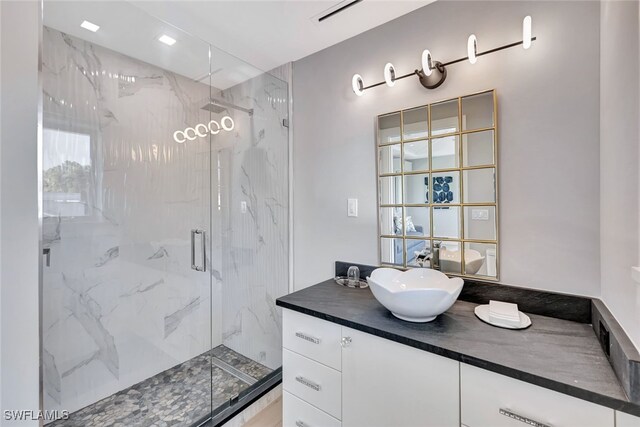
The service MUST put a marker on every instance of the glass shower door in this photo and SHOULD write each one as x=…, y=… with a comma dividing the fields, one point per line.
x=126, y=292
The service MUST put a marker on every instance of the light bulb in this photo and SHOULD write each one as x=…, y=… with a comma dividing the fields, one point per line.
x=526, y=32
x=427, y=62
x=228, y=127
x=357, y=84
x=472, y=46
x=389, y=74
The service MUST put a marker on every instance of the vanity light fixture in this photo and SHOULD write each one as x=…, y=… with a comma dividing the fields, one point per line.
x=169, y=41
x=389, y=74
x=472, y=48
x=526, y=32
x=357, y=84
x=434, y=73
x=90, y=26
x=427, y=62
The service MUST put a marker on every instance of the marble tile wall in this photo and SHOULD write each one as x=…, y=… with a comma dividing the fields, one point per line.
x=254, y=241
x=121, y=302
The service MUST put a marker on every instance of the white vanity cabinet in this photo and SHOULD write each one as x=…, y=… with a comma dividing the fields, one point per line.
x=389, y=384
x=373, y=381
x=493, y=400
x=625, y=420
x=337, y=376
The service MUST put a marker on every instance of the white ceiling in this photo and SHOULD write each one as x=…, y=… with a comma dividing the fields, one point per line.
x=270, y=33
x=248, y=36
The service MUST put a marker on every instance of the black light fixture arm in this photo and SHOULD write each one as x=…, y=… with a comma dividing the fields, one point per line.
x=433, y=73
x=486, y=52
x=446, y=64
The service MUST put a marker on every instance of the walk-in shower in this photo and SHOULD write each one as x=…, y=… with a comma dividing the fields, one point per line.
x=165, y=255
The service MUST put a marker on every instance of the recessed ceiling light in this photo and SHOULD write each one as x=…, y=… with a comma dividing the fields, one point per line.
x=90, y=26
x=170, y=41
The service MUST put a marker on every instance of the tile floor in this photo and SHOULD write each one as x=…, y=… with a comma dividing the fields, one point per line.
x=178, y=396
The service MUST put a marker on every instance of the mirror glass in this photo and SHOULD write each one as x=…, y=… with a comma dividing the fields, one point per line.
x=415, y=124
x=390, y=189
x=389, y=159
x=444, y=152
x=480, y=222
x=417, y=252
x=389, y=221
x=450, y=257
x=417, y=221
x=477, y=149
x=416, y=188
x=392, y=251
x=416, y=156
x=444, y=117
x=437, y=186
x=389, y=128
x=479, y=185
x=481, y=259
x=477, y=111
x=446, y=187
x=446, y=222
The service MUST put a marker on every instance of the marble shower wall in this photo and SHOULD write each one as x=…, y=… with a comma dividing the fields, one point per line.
x=121, y=302
x=253, y=217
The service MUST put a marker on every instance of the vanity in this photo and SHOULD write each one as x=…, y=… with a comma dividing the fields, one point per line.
x=347, y=361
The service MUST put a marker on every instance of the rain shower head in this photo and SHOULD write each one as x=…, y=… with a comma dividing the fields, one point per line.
x=219, y=105
x=214, y=108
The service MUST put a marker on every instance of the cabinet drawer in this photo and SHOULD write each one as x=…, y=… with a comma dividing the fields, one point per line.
x=626, y=420
x=312, y=382
x=493, y=400
x=298, y=413
x=314, y=338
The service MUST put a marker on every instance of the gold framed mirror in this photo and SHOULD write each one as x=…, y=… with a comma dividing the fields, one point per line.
x=437, y=173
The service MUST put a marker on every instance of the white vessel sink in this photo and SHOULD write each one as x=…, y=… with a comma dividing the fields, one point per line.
x=416, y=295
x=450, y=260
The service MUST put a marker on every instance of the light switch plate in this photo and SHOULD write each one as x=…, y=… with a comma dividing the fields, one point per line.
x=480, y=214
x=243, y=207
x=352, y=207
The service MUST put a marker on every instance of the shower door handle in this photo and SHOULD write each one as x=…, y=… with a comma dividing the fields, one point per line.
x=194, y=266
x=47, y=256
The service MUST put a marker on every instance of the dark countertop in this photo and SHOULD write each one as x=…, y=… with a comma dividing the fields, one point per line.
x=557, y=354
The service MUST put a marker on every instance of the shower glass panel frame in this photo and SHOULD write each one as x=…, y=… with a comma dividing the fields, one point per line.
x=165, y=219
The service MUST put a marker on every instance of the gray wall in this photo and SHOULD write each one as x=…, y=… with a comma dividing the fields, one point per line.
x=619, y=139
x=19, y=230
x=548, y=122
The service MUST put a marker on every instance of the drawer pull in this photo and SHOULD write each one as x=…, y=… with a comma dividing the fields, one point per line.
x=308, y=383
x=308, y=337
x=300, y=424
x=520, y=418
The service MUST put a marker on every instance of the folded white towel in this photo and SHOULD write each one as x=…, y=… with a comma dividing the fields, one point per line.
x=504, y=313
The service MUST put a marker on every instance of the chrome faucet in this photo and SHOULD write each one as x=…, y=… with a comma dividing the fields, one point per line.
x=429, y=258
x=435, y=256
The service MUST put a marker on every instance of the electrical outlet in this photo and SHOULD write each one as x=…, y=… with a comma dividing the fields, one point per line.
x=604, y=339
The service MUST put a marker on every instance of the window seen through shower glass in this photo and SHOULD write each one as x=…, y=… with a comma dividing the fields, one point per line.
x=437, y=185
x=147, y=299
x=66, y=172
